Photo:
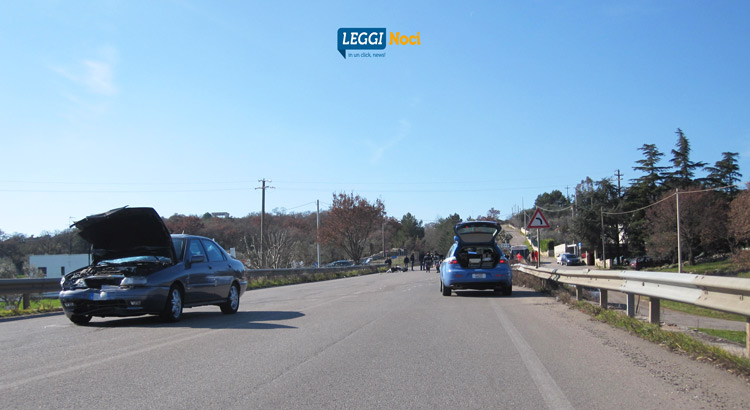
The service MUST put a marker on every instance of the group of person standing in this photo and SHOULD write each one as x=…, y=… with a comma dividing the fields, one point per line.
x=426, y=261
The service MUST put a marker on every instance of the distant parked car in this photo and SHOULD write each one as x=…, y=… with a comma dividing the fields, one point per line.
x=568, y=259
x=139, y=268
x=475, y=261
x=641, y=262
x=340, y=263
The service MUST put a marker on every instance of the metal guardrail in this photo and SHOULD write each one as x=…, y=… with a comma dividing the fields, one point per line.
x=713, y=292
x=26, y=286
x=251, y=274
x=11, y=286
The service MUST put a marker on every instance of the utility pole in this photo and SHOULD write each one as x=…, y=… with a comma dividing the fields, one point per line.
x=617, y=222
x=317, y=228
x=604, y=245
x=262, y=219
x=382, y=232
x=619, y=177
x=679, y=242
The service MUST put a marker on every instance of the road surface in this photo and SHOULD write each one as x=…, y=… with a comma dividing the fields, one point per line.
x=372, y=342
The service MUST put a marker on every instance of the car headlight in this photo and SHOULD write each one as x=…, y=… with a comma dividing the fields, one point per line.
x=133, y=281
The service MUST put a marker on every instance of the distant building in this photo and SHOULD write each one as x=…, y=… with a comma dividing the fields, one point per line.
x=55, y=266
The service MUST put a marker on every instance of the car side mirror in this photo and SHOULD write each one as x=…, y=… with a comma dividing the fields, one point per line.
x=194, y=259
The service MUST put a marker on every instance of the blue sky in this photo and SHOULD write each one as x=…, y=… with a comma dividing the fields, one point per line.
x=184, y=105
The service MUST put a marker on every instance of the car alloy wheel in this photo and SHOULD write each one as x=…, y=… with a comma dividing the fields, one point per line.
x=173, y=308
x=233, y=301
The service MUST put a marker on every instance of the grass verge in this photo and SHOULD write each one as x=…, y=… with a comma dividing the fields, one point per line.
x=735, y=336
x=269, y=282
x=675, y=341
x=725, y=267
x=699, y=311
x=36, y=306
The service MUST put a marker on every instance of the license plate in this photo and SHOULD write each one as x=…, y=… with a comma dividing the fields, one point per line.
x=478, y=275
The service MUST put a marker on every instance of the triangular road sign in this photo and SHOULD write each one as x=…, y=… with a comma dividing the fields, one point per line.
x=538, y=220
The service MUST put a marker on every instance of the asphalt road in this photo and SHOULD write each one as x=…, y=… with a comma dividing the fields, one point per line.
x=377, y=341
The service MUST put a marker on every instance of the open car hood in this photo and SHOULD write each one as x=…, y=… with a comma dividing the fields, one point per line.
x=477, y=232
x=126, y=232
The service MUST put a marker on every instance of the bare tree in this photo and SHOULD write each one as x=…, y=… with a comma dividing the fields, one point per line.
x=277, y=250
x=739, y=227
x=350, y=222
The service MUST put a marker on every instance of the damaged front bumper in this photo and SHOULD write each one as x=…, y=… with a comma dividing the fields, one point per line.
x=114, y=301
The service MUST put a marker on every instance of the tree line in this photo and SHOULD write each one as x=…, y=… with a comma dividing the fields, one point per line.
x=641, y=218
x=352, y=228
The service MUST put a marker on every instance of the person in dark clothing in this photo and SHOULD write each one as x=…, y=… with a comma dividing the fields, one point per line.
x=421, y=261
x=406, y=263
x=428, y=261
x=412, y=261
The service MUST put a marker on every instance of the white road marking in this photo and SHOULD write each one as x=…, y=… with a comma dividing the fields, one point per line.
x=550, y=391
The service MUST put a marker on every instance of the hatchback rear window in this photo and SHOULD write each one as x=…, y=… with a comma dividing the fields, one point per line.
x=476, y=234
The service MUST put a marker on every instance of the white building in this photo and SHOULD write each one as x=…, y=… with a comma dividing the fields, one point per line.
x=55, y=266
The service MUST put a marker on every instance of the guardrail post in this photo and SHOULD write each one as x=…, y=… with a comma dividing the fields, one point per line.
x=26, y=301
x=603, y=298
x=631, y=305
x=579, y=293
x=654, y=310
x=747, y=337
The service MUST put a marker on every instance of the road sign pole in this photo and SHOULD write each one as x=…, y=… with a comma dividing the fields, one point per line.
x=539, y=245
x=538, y=221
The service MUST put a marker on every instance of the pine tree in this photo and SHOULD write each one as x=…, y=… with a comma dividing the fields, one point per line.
x=649, y=183
x=725, y=174
x=684, y=168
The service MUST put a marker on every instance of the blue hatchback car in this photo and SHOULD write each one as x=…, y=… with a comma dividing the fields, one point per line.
x=475, y=261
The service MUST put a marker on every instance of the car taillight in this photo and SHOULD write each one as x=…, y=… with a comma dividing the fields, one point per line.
x=503, y=261
x=452, y=260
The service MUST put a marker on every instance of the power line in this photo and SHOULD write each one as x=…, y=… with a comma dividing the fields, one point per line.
x=556, y=210
x=668, y=197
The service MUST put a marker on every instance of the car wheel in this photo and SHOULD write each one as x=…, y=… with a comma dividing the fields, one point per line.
x=80, y=319
x=446, y=289
x=508, y=291
x=173, y=308
x=233, y=301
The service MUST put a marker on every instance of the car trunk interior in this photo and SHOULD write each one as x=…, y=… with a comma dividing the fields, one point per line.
x=478, y=257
